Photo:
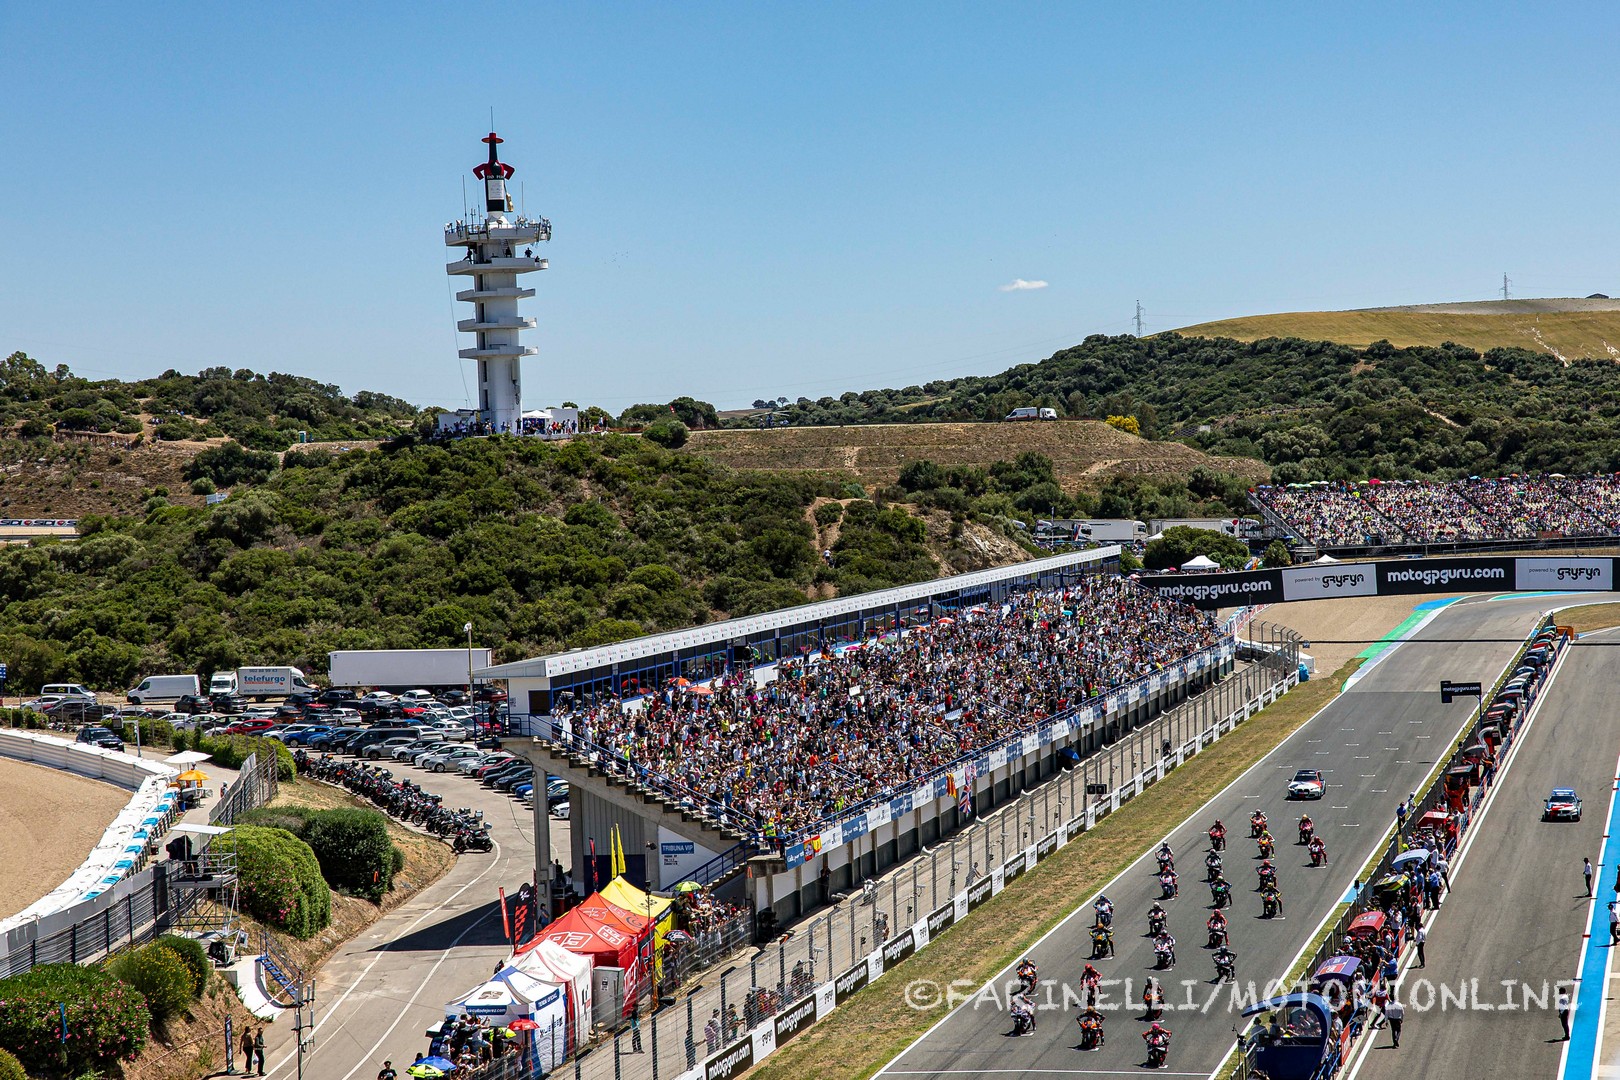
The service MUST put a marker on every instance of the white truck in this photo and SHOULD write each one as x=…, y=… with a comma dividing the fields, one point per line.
x=259, y=683
x=1113, y=531
x=1240, y=527
x=405, y=669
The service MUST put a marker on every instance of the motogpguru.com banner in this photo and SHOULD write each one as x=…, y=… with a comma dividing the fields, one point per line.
x=1388, y=577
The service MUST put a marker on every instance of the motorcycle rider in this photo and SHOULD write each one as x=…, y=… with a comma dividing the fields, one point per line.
x=1212, y=863
x=1267, y=871
x=1091, y=1029
x=1153, y=999
x=1268, y=846
x=1164, y=947
x=1274, y=895
x=1220, y=892
x=1217, y=836
x=1225, y=964
x=1028, y=976
x=1104, y=908
x=1318, y=851
x=1216, y=924
x=1089, y=979
x=1156, y=918
x=1257, y=823
x=1167, y=882
x=1023, y=1015
x=1306, y=828
x=1167, y=858
x=1158, y=1040
x=1102, y=941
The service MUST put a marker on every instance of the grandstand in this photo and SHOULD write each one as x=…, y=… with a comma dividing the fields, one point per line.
x=1478, y=512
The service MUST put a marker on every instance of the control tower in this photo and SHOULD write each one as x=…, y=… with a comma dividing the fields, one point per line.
x=500, y=246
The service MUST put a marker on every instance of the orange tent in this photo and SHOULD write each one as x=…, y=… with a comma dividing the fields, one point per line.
x=608, y=935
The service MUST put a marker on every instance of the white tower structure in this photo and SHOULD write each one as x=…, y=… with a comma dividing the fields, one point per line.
x=500, y=246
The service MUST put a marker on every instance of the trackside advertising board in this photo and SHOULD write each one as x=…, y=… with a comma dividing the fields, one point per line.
x=1387, y=577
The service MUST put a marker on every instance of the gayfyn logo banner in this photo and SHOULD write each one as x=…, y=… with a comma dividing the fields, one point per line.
x=1335, y=579
x=1563, y=574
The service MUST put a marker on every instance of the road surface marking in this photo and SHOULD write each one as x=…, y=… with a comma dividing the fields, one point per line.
x=1586, y=1019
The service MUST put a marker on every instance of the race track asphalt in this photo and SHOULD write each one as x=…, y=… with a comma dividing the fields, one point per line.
x=1374, y=743
x=1519, y=910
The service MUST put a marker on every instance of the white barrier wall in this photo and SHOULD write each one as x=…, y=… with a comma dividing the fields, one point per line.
x=126, y=839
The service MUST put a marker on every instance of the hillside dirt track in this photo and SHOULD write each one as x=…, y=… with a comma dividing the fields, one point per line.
x=1084, y=453
x=49, y=822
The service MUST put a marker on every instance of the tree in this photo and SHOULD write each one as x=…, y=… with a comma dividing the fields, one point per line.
x=1127, y=424
x=1181, y=543
x=668, y=433
x=1277, y=555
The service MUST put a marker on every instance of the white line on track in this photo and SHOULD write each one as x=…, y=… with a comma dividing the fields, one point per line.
x=1475, y=829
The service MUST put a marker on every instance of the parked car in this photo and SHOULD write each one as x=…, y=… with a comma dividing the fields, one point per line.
x=409, y=751
x=560, y=810
x=489, y=693
x=250, y=727
x=347, y=716
x=500, y=762
x=455, y=697
x=448, y=759
x=508, y=780
x=504, y=769
x=385, y=748
x=226, y=703
x=59, y=691
x=96, y=735
x=74, y=710
x=419, y=696
x=451, y=730
x=337, y=696
x=305, y=734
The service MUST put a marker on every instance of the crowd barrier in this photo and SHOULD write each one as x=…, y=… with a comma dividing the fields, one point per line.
x=125, y=845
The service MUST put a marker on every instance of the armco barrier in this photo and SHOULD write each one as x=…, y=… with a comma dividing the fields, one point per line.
x=805, y=1007
x=123, y=846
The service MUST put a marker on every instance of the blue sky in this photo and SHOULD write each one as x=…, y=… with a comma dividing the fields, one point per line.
x=761, y=199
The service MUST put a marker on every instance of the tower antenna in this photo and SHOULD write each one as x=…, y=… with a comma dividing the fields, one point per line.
x=1504, y=286
x=1139, y=318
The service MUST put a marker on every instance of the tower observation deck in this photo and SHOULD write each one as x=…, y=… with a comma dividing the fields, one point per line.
x=500, y=246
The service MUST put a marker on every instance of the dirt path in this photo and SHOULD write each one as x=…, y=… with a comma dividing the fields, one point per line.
x=49, y=822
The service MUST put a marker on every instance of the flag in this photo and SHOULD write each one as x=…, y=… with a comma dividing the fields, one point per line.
x=618, y=866
x=950, y=784
x=506, y=920
x=590, y=882
x=964, y=800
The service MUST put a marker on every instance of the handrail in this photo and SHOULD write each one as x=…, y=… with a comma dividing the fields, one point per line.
x=535, y=725
x=723, y=863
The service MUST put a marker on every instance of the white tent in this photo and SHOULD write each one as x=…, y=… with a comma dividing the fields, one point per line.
x=1201, y=562
x=551, y=962
x=1326, y=559
x=1157, y=536
x=493, y=999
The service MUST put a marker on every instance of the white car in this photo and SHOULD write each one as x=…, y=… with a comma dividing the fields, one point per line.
x=560, y=810
x=259, y=712
x=408, y=751
x=451, y=730
x=345, y=717
x=378, y=696
x=445, y=760
x=461, y=714
x=418, y=696
x=1307, y=784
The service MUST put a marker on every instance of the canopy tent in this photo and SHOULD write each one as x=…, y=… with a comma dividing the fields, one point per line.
x=1200, y=562
x=549, y=961
x=632, y=901
x=187, y=757
x=516, y=993
x=1327, y=559
x=607, y=935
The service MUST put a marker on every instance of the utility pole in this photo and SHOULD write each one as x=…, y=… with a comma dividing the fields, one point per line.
x=1504, y=286
x=1139, y=318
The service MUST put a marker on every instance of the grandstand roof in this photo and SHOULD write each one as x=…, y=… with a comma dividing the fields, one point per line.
x=805, y=615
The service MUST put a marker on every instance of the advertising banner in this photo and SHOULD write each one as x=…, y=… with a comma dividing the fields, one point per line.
x=1212, y=591
x=1559, y=574
x=1334, y=580
x=1405, y=576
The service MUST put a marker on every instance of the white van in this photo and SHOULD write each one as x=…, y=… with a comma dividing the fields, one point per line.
x=163, y=688
x=222, y=682
x=60, y=690
x=1031, y=414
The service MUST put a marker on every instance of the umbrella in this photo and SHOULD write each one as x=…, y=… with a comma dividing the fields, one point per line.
x=523, y=1023
x=680, y=682
x=688, y=886
x=423, y=1069
x=443, y=1064
x=700, y=691
x=1407, y=858
x=193, y=776
x=680, y=937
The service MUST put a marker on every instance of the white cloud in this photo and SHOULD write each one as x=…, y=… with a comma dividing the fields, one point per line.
x=1020, y=285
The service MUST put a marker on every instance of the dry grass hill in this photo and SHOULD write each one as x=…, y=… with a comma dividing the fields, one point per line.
x=1568, y=328
x=1084, y=453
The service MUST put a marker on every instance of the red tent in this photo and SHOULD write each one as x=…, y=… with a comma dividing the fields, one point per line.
x=608, y=935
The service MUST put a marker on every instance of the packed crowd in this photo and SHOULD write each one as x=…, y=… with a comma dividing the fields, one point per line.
x=831, y=731
x=699, y=911
x=1475, y=509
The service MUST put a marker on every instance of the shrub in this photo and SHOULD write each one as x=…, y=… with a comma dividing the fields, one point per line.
x=280, y=879
x=354, y=851
x=669, y=433
x=829, y=512
x=293, y=819
x=193, y=955
x=1277, y=555
x=107, y=1020
x=231, y=750
x=1127, y=424
x=10, y=1067
x=161, y=977
x=202, y=486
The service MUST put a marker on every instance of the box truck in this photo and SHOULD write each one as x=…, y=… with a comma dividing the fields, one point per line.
x=259, y=683
x=404, y=669
x=1112, y=531
x=163, y=688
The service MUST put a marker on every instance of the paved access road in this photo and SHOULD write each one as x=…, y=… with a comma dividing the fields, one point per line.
x=1374, y=743
x=1518, y=910
x=378, y=993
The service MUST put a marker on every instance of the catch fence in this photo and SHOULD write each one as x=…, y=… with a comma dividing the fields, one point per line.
x=256, y=785
x=730, y=1018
